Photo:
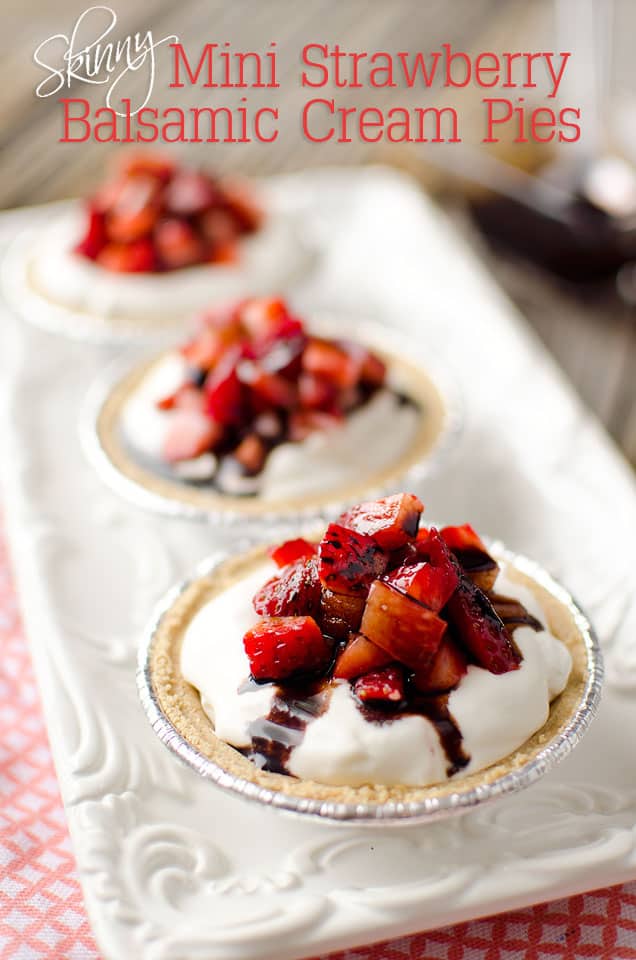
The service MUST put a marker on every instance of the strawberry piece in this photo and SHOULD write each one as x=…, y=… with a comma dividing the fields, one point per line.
x=292, y=592
x=95, y=236
x=189, y=435
x=251, y=454
x=205, y=350
x=292, y=550
x=240, y=201
x=190, y=193
x=433, y=548
x=224, y=253
x=218, y=227
x=270, y=389
x=138, y=257
x=135, y=211
x=381, y=686
x=472, y=554
x=391, y=521
x=432, y=586
x=447, y=669
x=340, y=613
x=348, y=561
x=177, y=244
x=478, y=627
x=408, y=631
x=331, y=361
x=223, y=318
x=224, y=391
x=263, y=317
x=372, y=370
x=282, y=647
x=281, y=352
x=358, y=657
x=302, y=423
x=316, y=393
x=146, y=164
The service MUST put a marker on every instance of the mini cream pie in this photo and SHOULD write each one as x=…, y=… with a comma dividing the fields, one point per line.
x=256, y=415
x=158, y=240
x=386, y=662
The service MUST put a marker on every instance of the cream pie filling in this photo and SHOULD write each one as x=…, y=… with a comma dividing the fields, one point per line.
x=495, y=714
x=370, y=440
x=268, y=258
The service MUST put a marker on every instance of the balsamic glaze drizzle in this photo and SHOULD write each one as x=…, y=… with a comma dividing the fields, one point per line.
x=295, y=706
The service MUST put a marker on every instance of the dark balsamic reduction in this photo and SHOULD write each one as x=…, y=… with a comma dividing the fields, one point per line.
x=275, y=735
x=435, y=709
x=473, y=560
x=513, y=613
x=295, y=706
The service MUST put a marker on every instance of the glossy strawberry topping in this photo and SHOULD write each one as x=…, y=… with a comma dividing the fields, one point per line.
x=154, y=216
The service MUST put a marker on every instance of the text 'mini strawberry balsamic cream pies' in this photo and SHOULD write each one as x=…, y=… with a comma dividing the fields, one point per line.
x=260, y=413
x=156, y=240
x=386, y=663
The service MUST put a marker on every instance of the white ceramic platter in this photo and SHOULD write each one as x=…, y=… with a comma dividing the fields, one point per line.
x=174, y=869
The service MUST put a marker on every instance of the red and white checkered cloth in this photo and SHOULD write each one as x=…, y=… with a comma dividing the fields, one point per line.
x=42, y=914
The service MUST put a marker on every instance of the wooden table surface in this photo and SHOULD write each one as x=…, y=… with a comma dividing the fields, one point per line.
x=593, y=340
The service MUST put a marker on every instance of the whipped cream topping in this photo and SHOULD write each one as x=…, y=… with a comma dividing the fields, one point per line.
x=268, y=259
x=495, y=714
x=322, y=462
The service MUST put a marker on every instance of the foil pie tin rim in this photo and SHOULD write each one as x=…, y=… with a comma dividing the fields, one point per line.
x=390, y=813
x=372, y=332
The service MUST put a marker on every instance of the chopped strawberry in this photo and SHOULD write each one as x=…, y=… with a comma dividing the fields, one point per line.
x=135, y=211
x=190, y=434
x=472, y=554
x=177, y=244
x=146, y=164
x=358, y=657
x=447, y=669
x=340, y=613
x=218, y=227
x=432, y=586
x=282, y=647
x=327, y=359
x=384, y=686
x=373, y=369
x=138, y=257
x=223, y=318
x=281, y=352
x=292, y=592
x=292, y=550
x=263, y=317
x=251, y=453
x=303, y=423
x=391, y=521
x=205, y=350
x=349, y=561
x=316, y=393
x=224, y=253
x=433, y=548
x=478, y=627
x=190, y=193
x=408, y=631
x=269, y=389
x=95, y=236
x=224, y=391
x=242, y=204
